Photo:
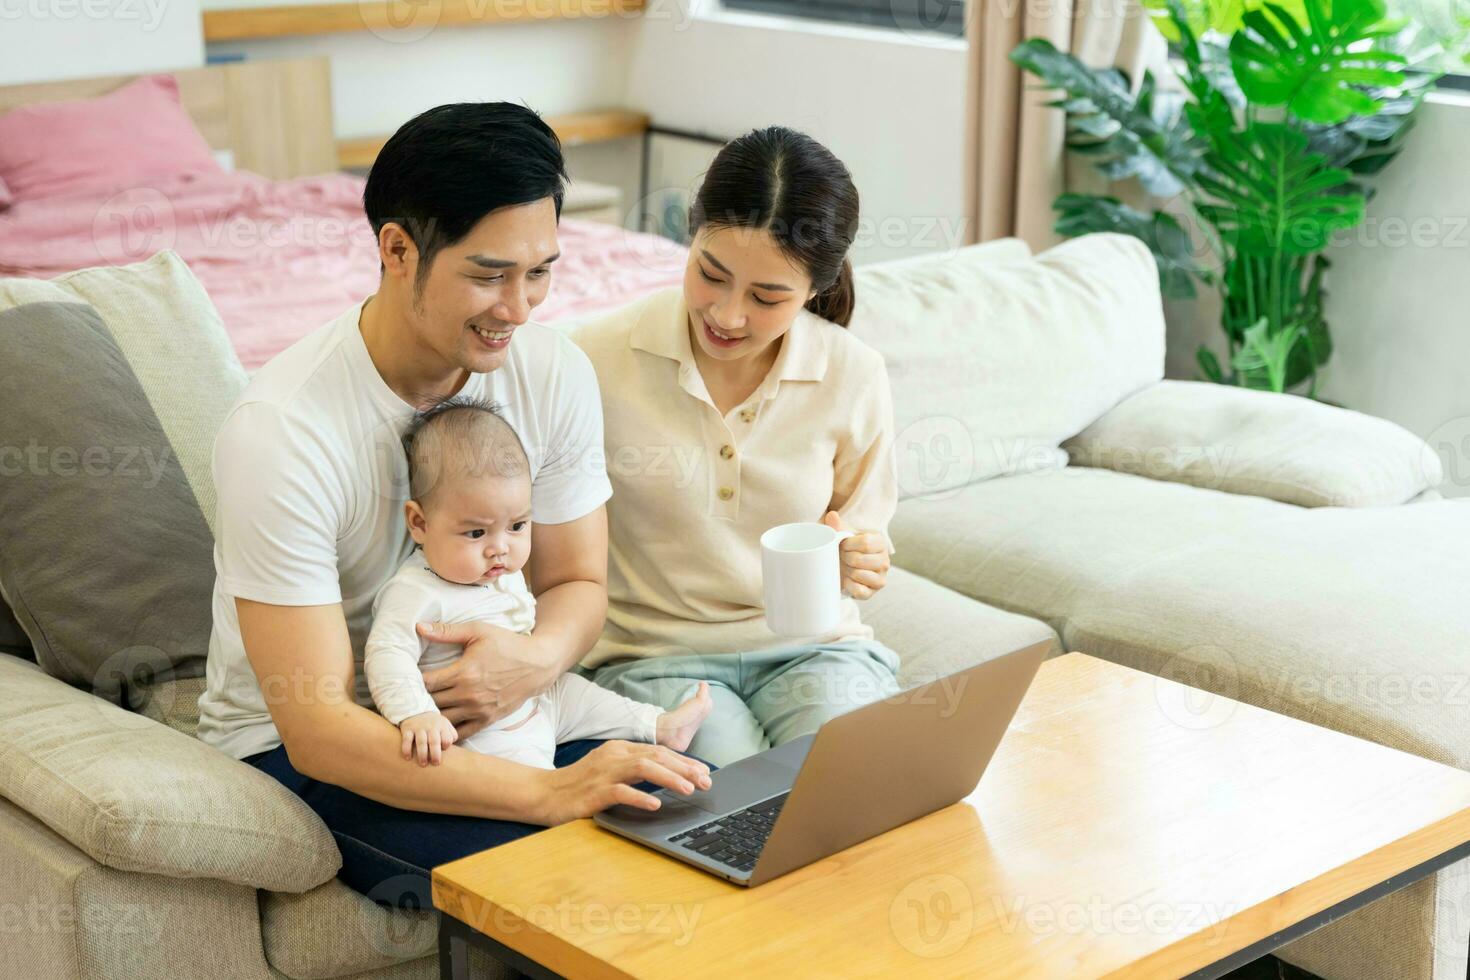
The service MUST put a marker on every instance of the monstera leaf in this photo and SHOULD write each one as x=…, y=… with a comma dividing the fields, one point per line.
x=1081, y=214
x=1272, y=195
x=1199, y=16
x=1317, y=71
x=1145, y=137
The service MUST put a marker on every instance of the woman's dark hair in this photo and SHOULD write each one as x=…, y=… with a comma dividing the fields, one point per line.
x=788, y=184
x=447, y=168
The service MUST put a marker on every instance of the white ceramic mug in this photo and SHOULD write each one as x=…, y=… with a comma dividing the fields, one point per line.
x=802, y=578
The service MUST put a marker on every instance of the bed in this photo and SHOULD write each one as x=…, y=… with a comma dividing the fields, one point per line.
x=276, y=236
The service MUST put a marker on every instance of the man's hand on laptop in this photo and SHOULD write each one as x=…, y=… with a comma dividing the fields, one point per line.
x=605, y=777
x=500, y=669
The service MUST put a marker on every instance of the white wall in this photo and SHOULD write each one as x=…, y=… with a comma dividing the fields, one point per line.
x=1399, y=293
x=49, y=40
x=889, y=105
x=379, y=81
x=1398, y=296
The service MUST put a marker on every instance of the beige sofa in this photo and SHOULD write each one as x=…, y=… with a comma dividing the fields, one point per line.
x=132, y=850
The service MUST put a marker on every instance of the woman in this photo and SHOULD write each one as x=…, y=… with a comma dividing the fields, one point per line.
x=733, y=405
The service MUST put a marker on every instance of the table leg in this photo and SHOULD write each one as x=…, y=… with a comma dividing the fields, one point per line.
x=455, y=939
x=454, y=957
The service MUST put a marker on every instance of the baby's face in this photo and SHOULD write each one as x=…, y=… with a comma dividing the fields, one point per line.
x=476, y=528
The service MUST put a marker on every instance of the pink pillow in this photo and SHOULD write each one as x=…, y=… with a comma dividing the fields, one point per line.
x=5, y=198
x=125, y=138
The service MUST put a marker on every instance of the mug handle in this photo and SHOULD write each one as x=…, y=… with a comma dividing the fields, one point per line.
x=841, y=537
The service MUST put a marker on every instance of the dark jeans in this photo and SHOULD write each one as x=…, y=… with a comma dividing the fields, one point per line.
x=387, y=853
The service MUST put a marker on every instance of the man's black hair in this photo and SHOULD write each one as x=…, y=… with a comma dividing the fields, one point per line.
x=447, y=168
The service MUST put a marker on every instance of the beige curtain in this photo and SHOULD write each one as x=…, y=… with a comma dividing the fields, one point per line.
x=1015, y=164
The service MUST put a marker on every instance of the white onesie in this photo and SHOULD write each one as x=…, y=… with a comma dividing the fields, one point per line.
x=396, y=657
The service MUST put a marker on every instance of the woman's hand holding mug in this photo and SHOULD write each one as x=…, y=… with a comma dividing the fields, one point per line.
x=864, y=559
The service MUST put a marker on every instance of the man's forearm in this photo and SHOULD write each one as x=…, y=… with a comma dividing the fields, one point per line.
x=349, y=746
x=569, y=620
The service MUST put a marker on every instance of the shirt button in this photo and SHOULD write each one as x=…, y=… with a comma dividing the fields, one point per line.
x=727, y=452
x=726, y=493
x=747, y=415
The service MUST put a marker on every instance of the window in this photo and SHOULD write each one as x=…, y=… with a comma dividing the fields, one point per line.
x=1439, y=36
x=945, y=17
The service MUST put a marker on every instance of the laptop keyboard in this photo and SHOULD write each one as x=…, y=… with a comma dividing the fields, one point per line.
x=736, y=838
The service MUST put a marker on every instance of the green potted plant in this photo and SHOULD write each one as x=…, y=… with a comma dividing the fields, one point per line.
x=1286, y=110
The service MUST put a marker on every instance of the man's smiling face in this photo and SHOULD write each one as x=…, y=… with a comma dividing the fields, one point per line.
x=481, y=288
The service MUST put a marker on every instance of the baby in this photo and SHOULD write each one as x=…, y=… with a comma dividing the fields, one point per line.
x=470, y=517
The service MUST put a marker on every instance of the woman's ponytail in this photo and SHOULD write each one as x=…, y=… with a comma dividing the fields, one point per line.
x=835, y=303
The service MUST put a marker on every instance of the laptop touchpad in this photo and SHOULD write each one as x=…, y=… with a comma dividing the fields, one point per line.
x=740, y=784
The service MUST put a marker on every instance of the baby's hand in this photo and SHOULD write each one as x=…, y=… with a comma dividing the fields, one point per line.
x=427, y=735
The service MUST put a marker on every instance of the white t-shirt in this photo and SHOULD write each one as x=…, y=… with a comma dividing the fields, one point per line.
x=311, y=476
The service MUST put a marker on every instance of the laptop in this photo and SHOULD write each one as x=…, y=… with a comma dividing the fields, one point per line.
x=862, y=773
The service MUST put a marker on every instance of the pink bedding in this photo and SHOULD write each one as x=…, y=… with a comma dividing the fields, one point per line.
x=280, y=258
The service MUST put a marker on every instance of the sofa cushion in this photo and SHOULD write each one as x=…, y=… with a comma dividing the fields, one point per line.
x=113, y=382
x=172, y=701
x=1039, y=543
x=333, y=931
x=1259, y=443
x=936, y=631
x=138, y=797
x=996, y=357
x=1332, y=614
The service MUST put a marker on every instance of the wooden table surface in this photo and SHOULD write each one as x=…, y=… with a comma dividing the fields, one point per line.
x=1124, y=825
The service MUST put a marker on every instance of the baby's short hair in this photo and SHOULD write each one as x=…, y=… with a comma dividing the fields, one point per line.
x=461, y=437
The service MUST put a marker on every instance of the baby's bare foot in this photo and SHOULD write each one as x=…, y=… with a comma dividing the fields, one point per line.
x=676, y=728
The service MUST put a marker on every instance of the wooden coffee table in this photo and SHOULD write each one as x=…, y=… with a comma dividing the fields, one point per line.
x=1127, y=824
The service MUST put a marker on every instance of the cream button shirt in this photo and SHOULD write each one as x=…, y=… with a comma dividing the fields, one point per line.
x=693, y=490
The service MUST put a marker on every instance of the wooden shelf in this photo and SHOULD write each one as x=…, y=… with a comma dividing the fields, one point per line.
x=573, y=129
x=390, y=17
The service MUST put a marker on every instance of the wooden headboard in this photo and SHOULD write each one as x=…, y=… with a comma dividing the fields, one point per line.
x=274, y=116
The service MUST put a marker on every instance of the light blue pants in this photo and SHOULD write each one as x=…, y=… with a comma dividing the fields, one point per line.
x=760, y=699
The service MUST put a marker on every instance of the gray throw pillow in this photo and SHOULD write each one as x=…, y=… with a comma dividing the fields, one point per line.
x=112, y=383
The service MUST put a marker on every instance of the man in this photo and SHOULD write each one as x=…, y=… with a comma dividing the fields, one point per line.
x=464, y=200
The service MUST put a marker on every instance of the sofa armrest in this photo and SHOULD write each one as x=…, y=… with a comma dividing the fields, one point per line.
x=1259, y=443
x=138, y=796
